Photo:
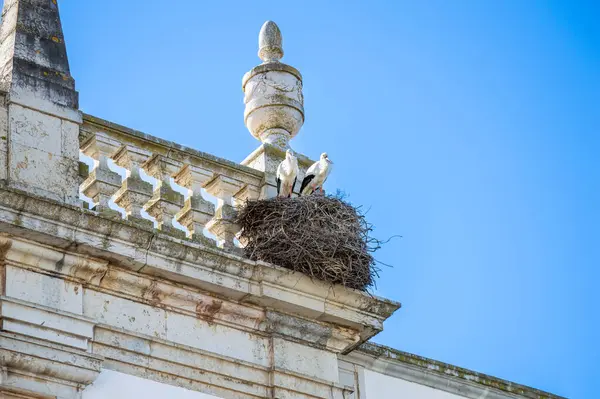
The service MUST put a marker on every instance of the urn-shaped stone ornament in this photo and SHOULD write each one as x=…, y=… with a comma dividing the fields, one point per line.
x=273, y=93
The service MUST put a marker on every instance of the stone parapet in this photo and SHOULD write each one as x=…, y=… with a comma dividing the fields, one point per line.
x=164, y=161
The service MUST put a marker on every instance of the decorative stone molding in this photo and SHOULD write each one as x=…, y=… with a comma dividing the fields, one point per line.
x=273, y=93
x=63, y=328
x=147, y=325
x=36, y=368
x=222, y=274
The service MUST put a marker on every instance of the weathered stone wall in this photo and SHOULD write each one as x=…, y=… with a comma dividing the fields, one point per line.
x=82, y=293
x=40, y=149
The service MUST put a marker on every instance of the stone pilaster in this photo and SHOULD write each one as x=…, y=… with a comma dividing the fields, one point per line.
x=43, y=116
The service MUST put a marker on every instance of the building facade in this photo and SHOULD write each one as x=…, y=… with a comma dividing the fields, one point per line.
x=111, y=289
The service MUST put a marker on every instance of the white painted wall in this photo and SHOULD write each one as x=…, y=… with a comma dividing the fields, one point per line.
x=114, y=385
x=381, y=386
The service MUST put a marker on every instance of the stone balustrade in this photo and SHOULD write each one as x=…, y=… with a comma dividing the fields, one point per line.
x=173, y=169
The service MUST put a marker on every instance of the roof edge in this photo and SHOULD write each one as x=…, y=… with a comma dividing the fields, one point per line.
x=380, y=358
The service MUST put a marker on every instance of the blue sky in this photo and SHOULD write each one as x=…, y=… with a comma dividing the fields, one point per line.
x=471, y=128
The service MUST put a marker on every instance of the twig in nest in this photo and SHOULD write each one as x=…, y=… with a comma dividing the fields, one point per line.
x=321, y=236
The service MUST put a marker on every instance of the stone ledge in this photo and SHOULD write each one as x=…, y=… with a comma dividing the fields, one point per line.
x=439, y=375
x=60, y=327
x=187, y=262
x=31, y=365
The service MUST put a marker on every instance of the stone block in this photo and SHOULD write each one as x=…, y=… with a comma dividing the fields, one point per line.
x=198, y=360
x=122, y=313
x=3, y=139
x=217, y=339
x=70, y=139
x=33, y=321
x=34, y=129
x=44, y=173
x=130, y=343
x=43, y=290
x=305, y=360
x=49, y=98
x=3, y=163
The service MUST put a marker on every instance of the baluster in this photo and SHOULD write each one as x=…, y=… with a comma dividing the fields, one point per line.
x=165, y=202
x=101, y=183
x=197, y=211
x=245, y=194
x=134, y=192
x=222, y=224
x=83, y=173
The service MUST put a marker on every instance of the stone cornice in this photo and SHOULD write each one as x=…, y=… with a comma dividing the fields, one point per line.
x=439, y=375
x=227, y=276
x=122, y=283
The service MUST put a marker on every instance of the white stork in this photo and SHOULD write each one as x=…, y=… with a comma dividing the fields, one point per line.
x=287, y=172
x=316, y=175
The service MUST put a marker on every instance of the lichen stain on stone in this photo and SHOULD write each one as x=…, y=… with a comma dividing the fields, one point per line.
x=5, y=245
x=152, y=293
x=23, y=164
x=55, y=39
x=207, y=310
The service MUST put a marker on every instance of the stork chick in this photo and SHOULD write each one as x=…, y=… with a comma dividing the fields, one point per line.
x=316, y=175
x=287, y=173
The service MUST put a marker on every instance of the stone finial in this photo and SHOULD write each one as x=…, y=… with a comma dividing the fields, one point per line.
x=270, y=47
x=273, y=93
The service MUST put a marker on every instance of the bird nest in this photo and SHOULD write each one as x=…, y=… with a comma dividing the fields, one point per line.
x=321, y=236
